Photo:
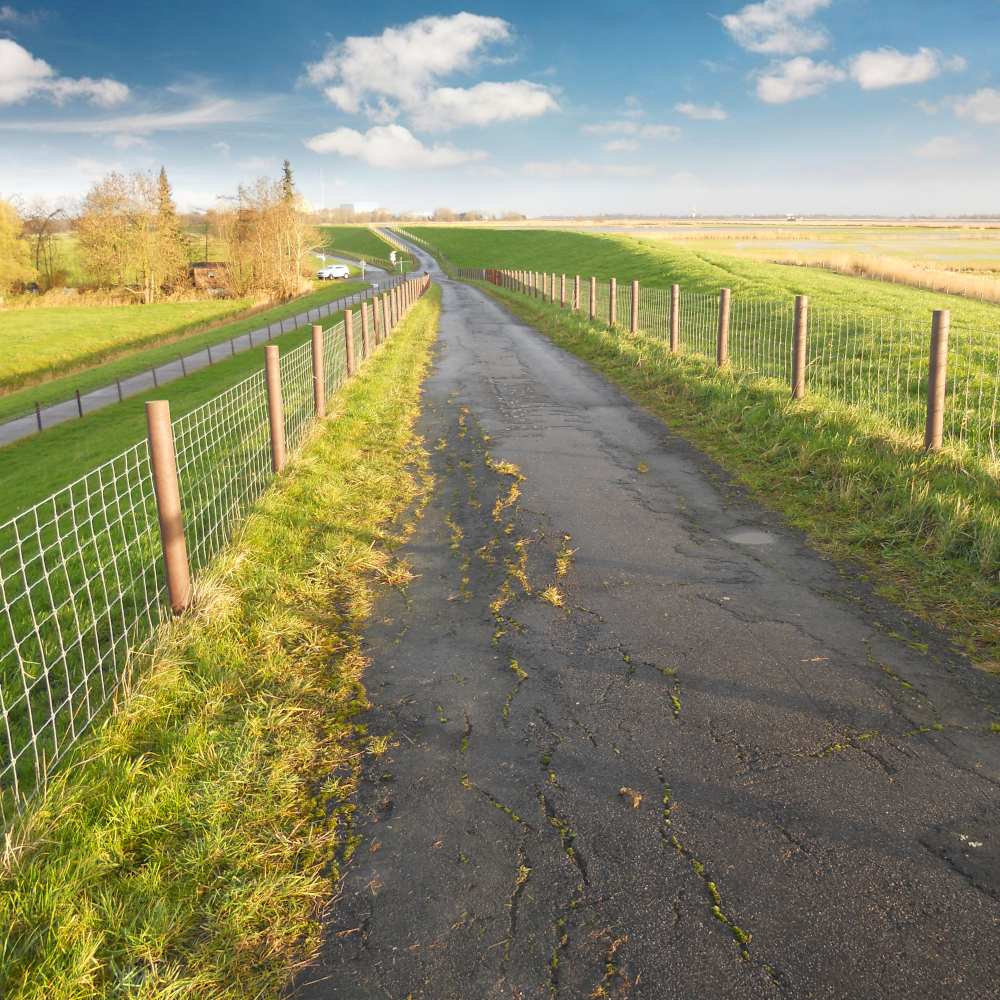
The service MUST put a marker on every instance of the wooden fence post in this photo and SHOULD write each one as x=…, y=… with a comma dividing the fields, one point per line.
x=937, y=376
x=386, y=316
x=593, y=299
x=275, y=407
x=675, y=318
x=613, y=303
x=168, y=503
x=635, y=307
x=552, y=290
x=376, y=326
x=576, y=294
x=319, y=382
x=722, y=352
x=800, y=342
x=349, y=340
x=366, y=346
x=562, y=292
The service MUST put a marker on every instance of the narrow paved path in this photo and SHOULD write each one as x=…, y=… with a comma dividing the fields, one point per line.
x=69, y=409
x=819, y=796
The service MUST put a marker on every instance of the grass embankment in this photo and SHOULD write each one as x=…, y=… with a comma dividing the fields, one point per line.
x=34, y=467
x=659, y=264
x=189, y=850
x=355, y=239
x=169, y=344
x=928, y=526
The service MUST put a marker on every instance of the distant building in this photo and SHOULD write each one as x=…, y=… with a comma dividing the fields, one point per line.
x=210, y=276
x=360, y=207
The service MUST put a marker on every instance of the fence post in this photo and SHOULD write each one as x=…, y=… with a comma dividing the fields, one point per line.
x=635, y=307
x=722, y=352
x=545, y=284
x=365, y=343
x=562, y=292
x=118, y=382
x=576, y=294
x=79, y=404
x=168, y=503
x=800, y=343
x=349, y=340
x=275, y=407
x=937, y=376
x=613, y=303
x=376, y=326
x=319, y=383
x=552, y=290
x=386, y=316
x=536, y=284
x=593, y=299
x=38, y=415
x=675, y=318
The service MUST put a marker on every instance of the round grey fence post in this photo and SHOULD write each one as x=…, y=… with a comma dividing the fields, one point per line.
x=168, y=503
x=635, y=307
x=613, y=302
x=675, y=318
x=349, y=340
x=800, y=344
x=937, y=376
x=275, y=407
x=593, y=299
x=365, y=341
x=319, y=383
x=722, y=352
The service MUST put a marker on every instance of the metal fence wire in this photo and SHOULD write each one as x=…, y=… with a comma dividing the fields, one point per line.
x=877, y=364
x=82, y=582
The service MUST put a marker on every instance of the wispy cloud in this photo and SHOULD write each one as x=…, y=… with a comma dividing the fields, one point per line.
x=397, y=74
x=22, y=76
x=566, y=168
x=778, y=27
x=797, y=78
x=620, y=145
x=945, y=147
x=701, y=112
x=8, y=15
x=392, y=147
x=983, y=106
x=632, y=128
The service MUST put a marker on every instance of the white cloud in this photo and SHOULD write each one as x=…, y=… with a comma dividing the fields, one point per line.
x=256, y=163
x=619, y=145
x=126, y=139
x=397, y=73
x=568, y=168
x=891, y=68
x=701, y=112
x=627, y=170
x=391, y=146
x=23, y=76
x=8, y=15
x=776, y=26
x=795, y=79
x=945, y=147
x=211, y=113
x=634, y=129
x=983, y=106
x=222, y=147
x=484, y=104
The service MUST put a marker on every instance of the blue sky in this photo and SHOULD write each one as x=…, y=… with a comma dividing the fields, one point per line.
x=803, y=106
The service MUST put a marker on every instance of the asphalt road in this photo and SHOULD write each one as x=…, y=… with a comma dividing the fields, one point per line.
x=818, y=780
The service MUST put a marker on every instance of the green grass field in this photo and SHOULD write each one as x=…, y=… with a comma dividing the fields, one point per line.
x=659, y=264
x=190, y=844
x=356, y=239
x=40, y=343
x=58, y=389
x=35, y=467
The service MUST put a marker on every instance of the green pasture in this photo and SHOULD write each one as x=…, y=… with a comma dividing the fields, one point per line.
x=170, y=345
x=35, y=467
x=356, y=239
x=660, y=263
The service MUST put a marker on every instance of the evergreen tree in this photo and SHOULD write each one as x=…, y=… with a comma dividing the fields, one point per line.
x=172, y=245
x=287, y=186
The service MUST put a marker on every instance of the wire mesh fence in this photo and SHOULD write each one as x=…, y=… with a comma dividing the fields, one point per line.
x=82, y=581
x=874, y=363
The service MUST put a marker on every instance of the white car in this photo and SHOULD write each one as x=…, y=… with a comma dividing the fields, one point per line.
x=332, y=271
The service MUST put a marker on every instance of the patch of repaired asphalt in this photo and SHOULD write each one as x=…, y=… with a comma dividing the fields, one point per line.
x=812, y=788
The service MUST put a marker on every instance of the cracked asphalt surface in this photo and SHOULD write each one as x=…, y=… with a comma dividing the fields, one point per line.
x=818, y=776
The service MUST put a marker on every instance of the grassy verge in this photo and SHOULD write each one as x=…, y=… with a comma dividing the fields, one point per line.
x=927, y=526
x=660, y=263
x=188, y=850
x=34, y=467
x=168, y=346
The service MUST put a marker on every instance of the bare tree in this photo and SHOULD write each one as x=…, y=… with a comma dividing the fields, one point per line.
x=43, y=221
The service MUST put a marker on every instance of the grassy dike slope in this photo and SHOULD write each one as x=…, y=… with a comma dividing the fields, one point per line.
x=925, y=527
x=659, y=264
x=187, y=850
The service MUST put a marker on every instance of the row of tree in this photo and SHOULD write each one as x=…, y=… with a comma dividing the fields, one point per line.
x=130, y=238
